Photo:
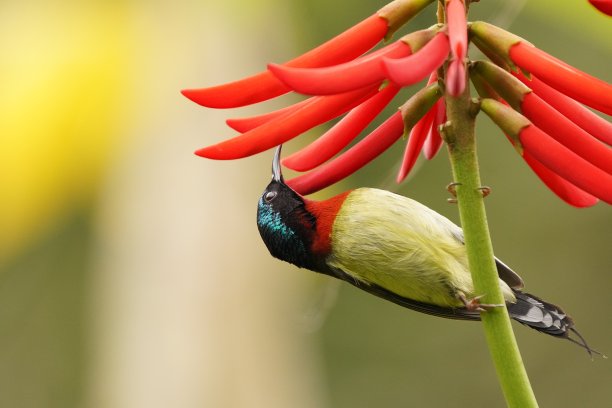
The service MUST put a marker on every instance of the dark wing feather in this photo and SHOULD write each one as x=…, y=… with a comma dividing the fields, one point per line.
x=447, y=312
x=508, y=275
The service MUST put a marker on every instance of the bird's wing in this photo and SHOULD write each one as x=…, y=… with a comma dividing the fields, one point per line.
x=446, y=312
x=508, y=275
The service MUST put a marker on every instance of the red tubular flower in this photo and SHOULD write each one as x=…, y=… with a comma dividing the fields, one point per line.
x=245, y=124
x=457, y=34
x=457, y=28
x=414, y=68
x=605, y=6
x=566, y=132
x=335, y=139
x=434, y=140
x=566, y=163
x=262, y=86
x=352, y=160
x=552, y=154
x=417, y=137
x=455, y=77
x=351, y=75
x=558, y=185
x=287, y=127
x=579, y=85
x=577, y=113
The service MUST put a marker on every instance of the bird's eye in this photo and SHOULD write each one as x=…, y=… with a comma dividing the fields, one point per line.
x=269, y=196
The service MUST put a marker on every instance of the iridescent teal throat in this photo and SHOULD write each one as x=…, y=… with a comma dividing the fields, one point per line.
x=281, y=240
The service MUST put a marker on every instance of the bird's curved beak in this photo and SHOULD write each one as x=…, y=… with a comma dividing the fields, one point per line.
x=277, y=175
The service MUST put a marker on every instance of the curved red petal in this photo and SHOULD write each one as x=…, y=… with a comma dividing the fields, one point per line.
x=353, y=159
x=286, y=127
x=455, y=78
x=417, y=137
x=457, y=28
x=566, y=132
x=571, y=81
x=335, y=139
x=339, y=78
x=577, y=113
x=558, y=185
x=433, y=143
x=245, y=124
x=566, y=163
x=412, y=69
x=605, y=6
x=262, y=86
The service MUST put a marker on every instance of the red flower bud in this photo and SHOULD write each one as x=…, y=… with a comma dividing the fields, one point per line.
x=434, y=140
x=417, y=137
x=574, y=83
x=457, y=28
x=412, y=69
x=577, y=113
x=351, y=75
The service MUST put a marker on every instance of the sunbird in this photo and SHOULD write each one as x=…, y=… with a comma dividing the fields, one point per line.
x=396, y=248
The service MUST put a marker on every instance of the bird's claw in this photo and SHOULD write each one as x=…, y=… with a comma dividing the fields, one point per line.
x=474, y=305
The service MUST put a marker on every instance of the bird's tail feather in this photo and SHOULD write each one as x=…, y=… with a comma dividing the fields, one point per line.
x=546, y=318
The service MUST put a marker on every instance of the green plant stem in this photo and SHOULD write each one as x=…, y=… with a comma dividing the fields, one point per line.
x=459, y=135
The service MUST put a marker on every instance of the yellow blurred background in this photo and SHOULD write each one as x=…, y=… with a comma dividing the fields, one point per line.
x=132, y=273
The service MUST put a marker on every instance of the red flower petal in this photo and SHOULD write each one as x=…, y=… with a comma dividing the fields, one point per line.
x=353, y=159
x=455, y=78
x=286, y=127
x=566, y=163
x=605, y=6
x=245, y=124
x=412, y=69
x=417, y=137
x=434, y=140
x=558, y=185
x=457, y=28
x=577, y=113
x=335, y=139
x=262, y=86
x=566, y=132
x=351, y=75
x=574, y=83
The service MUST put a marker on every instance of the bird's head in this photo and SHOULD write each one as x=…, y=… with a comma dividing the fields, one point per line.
x=285, y=225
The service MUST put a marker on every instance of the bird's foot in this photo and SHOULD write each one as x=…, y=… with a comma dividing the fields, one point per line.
x=474, y=305
x=452, y=189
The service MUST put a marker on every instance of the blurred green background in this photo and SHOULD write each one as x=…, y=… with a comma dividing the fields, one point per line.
x=132, y=273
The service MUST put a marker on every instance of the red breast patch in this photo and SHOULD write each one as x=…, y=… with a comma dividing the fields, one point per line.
x=325, y=213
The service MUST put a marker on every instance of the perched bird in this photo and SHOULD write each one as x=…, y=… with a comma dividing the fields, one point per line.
x=395, y=248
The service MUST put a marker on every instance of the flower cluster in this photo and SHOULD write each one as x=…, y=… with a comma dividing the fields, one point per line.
x=537, y=100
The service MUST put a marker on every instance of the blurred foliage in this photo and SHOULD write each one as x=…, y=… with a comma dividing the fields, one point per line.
x=68, y=71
